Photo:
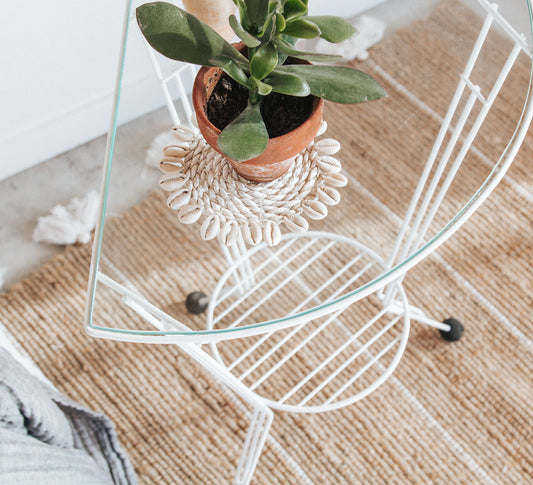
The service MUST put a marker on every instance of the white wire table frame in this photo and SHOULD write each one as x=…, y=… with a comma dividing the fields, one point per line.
x=362, y=286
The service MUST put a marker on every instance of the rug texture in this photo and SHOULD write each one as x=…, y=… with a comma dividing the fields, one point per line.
x=451, y=413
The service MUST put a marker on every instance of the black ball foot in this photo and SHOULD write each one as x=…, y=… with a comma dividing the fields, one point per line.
x=455, y=332
x=196, y=302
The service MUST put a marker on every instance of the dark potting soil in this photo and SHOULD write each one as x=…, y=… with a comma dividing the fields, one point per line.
x=281, y=113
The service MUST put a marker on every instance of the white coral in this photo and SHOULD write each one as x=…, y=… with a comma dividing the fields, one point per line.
x=71, y=224
x=370, y=31
x=153, y=154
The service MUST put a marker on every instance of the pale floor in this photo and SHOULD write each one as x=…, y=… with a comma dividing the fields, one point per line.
x=32, y=193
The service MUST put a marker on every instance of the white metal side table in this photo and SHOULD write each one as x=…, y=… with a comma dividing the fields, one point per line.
x=306, y=296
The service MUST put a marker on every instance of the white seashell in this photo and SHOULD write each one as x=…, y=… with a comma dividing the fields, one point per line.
x=175, y=151
x=252, y=234
x=328, y=195
x=183, y=133
x=329, y=164
x=315, y=210
x=183, y=137
x=178, y=199
x=229, y=233
x=210, y=228
x=170, y=164
x=195, y=180
x=327, y=146
x=271, y=233
x=296, y=223
x=335, y=180
x=322, y=129
x=173, y=181
x=189, y=214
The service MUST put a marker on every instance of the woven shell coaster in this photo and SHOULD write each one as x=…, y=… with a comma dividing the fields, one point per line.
x=203, y=185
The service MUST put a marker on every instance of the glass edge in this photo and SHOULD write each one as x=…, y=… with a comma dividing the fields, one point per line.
x=375, y=281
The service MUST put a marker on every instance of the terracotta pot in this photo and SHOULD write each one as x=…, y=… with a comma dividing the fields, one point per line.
x=280, y=151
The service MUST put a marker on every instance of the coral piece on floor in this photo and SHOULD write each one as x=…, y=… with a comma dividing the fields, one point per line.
x=202, y=183
x=71, y=224
x=370, y=31
x=153, y=154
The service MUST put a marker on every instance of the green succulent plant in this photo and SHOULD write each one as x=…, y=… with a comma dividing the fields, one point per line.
x=269, y=29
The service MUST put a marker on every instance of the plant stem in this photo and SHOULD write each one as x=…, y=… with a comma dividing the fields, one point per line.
x=253, y=95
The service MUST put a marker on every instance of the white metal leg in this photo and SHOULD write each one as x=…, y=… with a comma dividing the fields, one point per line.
x=418, y=315
x=258, y=431
x=440, y=139
x=262, y=416
x=412, y=234
x=432, y=323
x=236, y=254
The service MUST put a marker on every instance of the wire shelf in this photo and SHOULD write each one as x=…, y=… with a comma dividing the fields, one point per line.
x=323, y=363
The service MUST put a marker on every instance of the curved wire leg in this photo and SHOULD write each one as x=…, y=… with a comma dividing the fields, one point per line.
x=418, y=315
x=430, y=322
x=450, y=329
x=255, y=439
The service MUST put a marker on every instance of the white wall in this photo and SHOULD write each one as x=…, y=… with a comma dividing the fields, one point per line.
x=343, y=8
x=59, y=60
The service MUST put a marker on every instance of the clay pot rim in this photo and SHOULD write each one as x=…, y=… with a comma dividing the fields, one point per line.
x=203, y=72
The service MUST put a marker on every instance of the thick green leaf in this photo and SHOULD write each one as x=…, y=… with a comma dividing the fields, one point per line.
x=246, y=137
x=333, y=29
x=181, y=36
x=231, y=69
x=263, y=89
x=248, y=39
x=338, y=84
x=257, y=12
x=242, y=11
x=269, y=30
x=280, y=23
x=288, y=84
x=273, y=5
x=288, y=39
x=288, y=49
x=294, y=8
x=282, y=57
x=302, y=29
x=264, y=61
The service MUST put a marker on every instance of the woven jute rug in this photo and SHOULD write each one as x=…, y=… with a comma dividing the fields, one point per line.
x=451, y=413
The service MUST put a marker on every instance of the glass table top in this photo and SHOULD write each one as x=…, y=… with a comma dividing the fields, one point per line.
x=418, y=164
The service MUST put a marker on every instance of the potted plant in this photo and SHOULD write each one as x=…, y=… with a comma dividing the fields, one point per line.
x=260, y=102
